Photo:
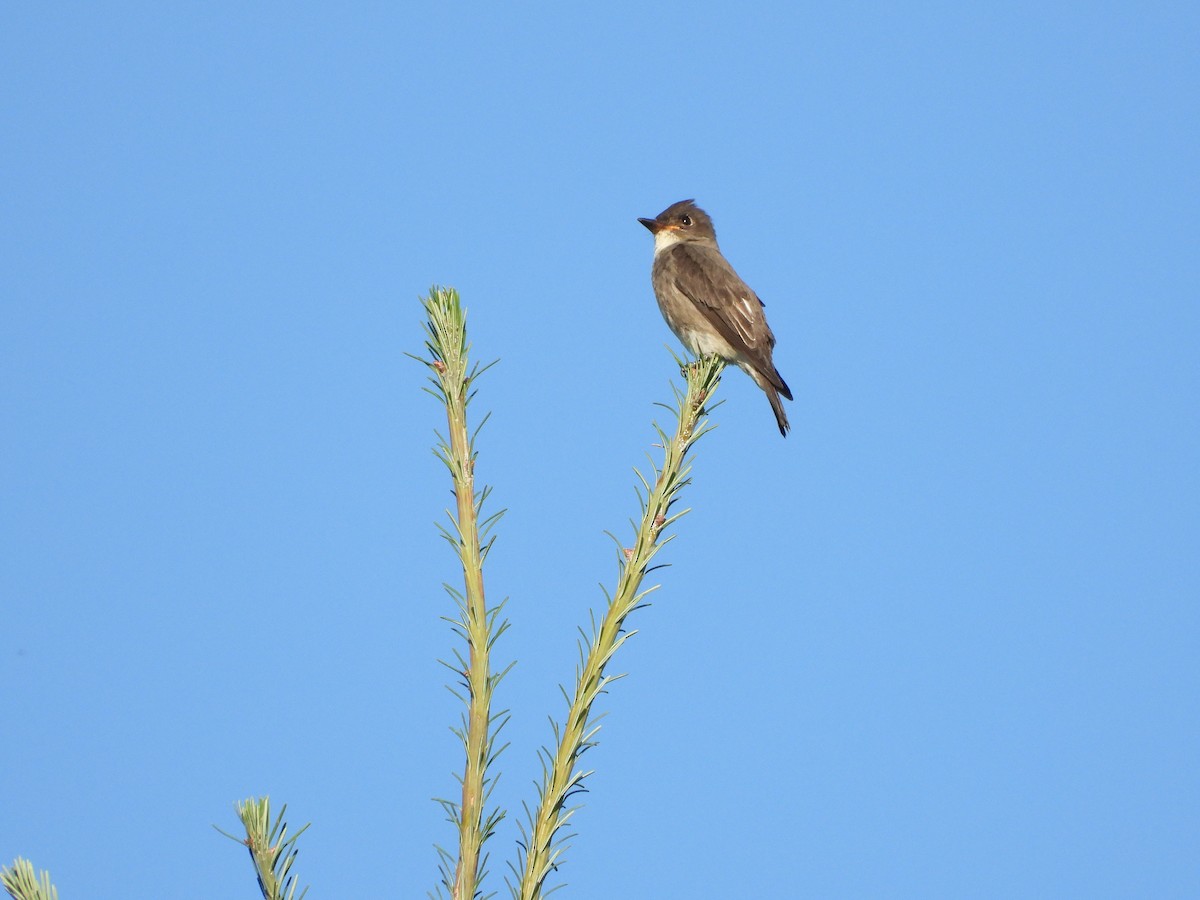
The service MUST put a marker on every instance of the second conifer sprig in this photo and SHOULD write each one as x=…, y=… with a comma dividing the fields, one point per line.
x=545, y=839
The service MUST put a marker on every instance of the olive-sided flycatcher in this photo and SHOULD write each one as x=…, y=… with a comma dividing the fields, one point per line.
x=710, y=309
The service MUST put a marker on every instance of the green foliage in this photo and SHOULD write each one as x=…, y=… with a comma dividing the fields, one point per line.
x=470, y=533
x=452, y=381
x=272, y=851
x=545, y=839
x=22, y=884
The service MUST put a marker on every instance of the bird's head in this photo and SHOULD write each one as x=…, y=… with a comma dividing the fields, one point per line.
x=680, y=222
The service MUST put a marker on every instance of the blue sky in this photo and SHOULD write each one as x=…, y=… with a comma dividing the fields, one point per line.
x=941, y=641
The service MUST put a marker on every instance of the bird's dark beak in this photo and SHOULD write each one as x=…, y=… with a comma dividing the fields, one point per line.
x=652, y=224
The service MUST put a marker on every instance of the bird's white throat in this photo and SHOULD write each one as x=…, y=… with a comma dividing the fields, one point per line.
x=665, y=239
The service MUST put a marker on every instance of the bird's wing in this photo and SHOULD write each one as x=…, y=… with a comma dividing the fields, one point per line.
x=705, y=277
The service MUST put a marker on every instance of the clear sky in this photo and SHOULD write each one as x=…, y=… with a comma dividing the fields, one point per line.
x=939, y=642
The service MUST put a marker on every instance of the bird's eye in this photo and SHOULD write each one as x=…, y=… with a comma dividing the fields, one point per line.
x=686, y=220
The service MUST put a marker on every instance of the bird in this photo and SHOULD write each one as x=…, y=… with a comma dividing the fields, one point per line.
x=706, y=303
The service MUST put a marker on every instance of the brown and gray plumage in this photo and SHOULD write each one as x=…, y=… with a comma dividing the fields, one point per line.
x=710, y=309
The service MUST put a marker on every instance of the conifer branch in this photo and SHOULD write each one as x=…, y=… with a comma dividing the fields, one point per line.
x=452, y=381
x=562, y=778
x=22, y=883
x=272, y=851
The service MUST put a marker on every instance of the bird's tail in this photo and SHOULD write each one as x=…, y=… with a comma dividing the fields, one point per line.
x=777, y=407
x=773, y=385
